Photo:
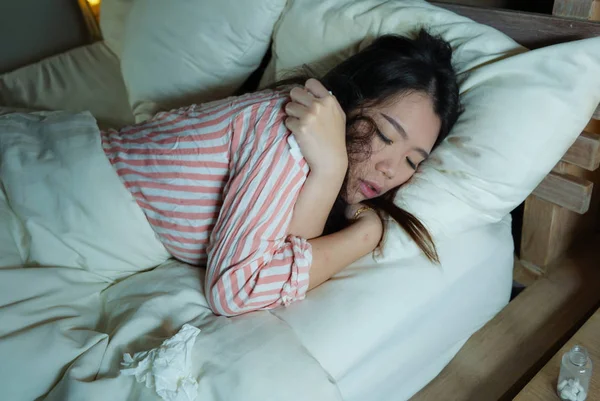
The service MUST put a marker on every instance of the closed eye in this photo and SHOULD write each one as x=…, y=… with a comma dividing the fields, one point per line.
x=384, y=138
x=411, y=164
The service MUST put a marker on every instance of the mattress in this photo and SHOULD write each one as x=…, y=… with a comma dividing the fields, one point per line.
x=90, y=293
x=384, y=331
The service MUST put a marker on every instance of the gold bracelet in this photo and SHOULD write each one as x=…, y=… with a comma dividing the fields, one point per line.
x=360, y=211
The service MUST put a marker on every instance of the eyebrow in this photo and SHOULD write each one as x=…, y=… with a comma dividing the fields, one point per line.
x=403, y=133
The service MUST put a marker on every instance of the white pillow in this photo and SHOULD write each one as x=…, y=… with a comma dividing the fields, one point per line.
x=181, y=52
x=73, y=207
x=521, y=113
x=113, y=17
x=87, y=78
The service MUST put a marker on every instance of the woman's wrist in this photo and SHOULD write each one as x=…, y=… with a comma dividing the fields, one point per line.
x=331, y=170
x=371, y=223
x=361, y=210
x=328, y=180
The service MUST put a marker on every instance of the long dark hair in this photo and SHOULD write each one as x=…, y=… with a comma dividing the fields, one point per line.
x=390, y=66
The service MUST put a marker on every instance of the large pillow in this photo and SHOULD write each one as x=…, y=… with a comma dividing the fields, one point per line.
x=113, y=18
x=193, y=51
x=67, y=204
x=87, y=78
x=522, y=109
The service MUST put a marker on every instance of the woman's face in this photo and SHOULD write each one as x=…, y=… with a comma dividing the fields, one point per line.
x=407, y=131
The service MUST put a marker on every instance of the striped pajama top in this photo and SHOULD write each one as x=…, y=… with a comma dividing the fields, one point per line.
x=218, y=183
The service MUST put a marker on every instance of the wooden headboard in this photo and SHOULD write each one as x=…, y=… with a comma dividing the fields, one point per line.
x=531, y=30
x=553, y=214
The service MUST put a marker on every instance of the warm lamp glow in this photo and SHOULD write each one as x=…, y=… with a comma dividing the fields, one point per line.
x=91, y=11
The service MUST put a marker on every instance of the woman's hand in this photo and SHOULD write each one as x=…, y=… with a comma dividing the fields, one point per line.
x=319, y=125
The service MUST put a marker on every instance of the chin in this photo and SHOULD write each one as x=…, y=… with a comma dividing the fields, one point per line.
x=353, y=195
x=354, y=200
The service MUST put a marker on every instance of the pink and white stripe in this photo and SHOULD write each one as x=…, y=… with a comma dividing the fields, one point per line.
x=218, y=183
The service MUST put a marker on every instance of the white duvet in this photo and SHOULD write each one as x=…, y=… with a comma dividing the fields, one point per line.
x=77, y=288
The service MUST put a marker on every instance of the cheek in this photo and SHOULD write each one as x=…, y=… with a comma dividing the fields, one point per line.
x=405, y=174
x=357, y=170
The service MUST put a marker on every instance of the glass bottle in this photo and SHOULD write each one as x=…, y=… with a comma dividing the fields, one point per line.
x=575, y=375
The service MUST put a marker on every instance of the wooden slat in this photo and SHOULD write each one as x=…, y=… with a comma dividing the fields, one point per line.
x=574, y=8
x=529, y=29
x=540, y=239
x=583, y=9
x=568, y=191
x=550, y=230
x=593, y=126
x=500, y=358
x=596, y=115
x=585, y=152
x=480, y=3
x=524, y=275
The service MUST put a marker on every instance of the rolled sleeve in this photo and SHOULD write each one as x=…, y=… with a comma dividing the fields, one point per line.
x=296, y=287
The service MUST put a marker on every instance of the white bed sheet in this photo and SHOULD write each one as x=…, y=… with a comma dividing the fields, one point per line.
x=383, y=332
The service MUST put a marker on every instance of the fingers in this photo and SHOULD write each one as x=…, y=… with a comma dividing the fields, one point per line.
x=292, y=123
x=313, y=94
x=295, y=125
x=302, y=96
x=303, y=105
x=297, y=110
x=316, y=88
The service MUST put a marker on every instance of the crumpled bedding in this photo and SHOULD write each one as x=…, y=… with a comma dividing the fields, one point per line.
x=79, y=287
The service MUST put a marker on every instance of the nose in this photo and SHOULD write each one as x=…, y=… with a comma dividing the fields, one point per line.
x=386, y=169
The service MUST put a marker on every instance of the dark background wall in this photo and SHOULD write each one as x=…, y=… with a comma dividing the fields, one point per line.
x=538, y=6
x=31, y=30
x=34, y=29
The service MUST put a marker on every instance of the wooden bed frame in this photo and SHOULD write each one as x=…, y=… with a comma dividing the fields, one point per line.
x=560, y=240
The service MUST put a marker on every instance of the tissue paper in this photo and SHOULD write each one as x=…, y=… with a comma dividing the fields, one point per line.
x=166, y=369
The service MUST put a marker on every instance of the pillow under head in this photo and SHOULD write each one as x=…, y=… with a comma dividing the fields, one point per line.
x=523, y=109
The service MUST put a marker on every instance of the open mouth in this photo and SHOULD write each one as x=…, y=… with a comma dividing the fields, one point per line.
x=369, y=190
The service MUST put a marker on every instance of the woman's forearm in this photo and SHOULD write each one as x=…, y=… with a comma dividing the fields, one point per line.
x=332, y=253
x=314, y=203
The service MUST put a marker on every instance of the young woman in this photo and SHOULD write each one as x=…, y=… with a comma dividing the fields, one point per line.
x=275, y=196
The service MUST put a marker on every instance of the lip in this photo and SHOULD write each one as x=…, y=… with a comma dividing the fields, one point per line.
x=367, y=191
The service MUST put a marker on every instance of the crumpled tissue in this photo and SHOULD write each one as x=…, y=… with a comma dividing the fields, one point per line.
x=166, y=369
